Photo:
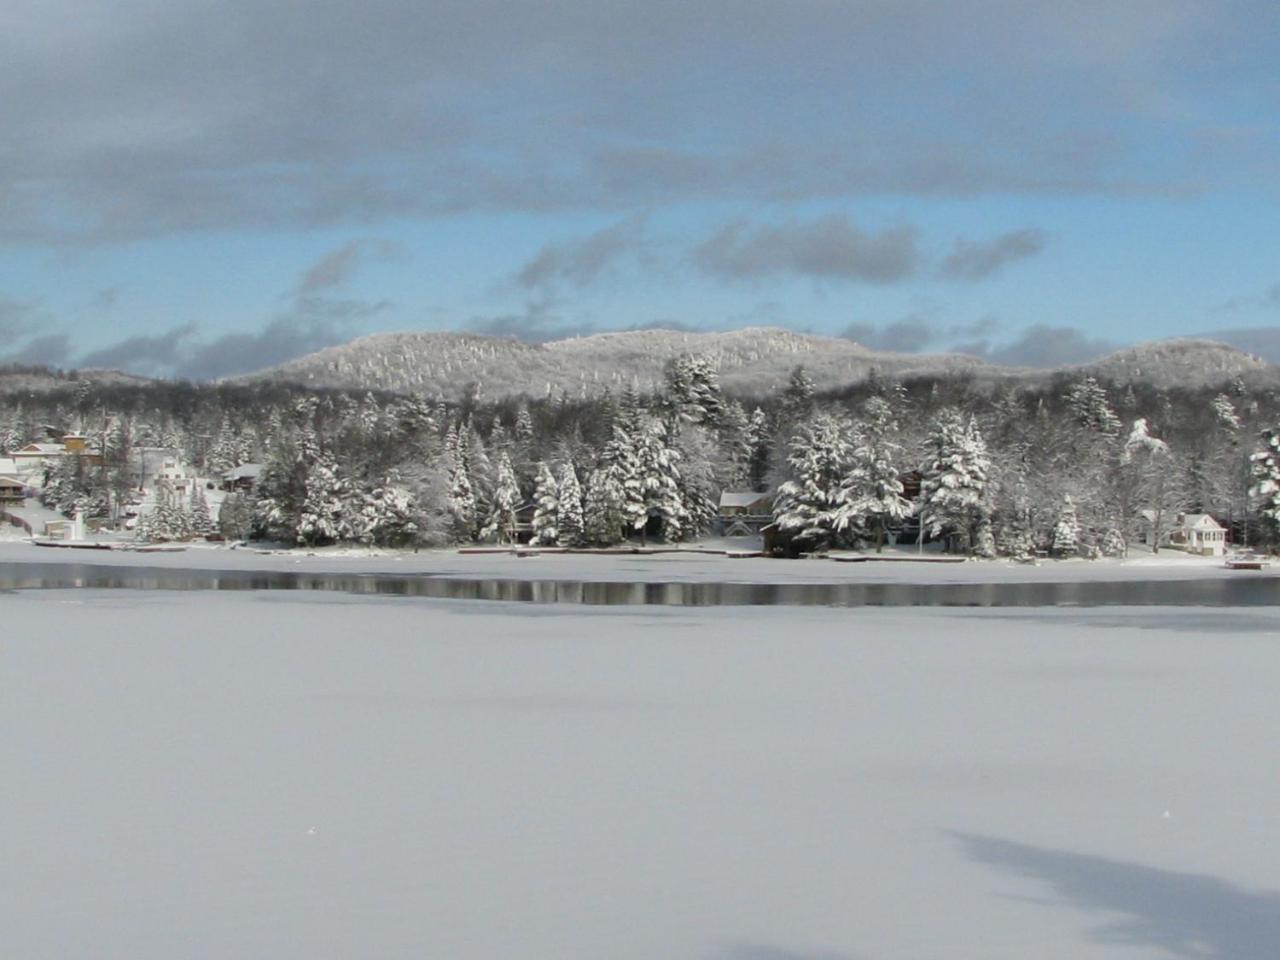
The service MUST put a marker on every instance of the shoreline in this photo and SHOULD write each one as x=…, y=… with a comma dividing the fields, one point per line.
x=694, y=564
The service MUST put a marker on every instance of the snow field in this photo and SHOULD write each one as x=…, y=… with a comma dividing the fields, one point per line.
x=323, y=776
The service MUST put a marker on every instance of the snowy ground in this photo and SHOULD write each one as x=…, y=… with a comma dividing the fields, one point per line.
x=323, y=776
x=662, y=567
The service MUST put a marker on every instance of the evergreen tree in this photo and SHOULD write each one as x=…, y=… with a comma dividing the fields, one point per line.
x=621, y=461
x=321, y=517
x=604, y=508
x=953, y=491
x=821, y=454
x=504, y=504
x=870, y=495
x=797, y=398
x=461, y=501
x=388, y=516
x=657, y=482
x=569, y=517
x=1091, y=409
x=546, y=510
x=1066, y=532
x=759, y=440
x=235, y=517
x=1266, y=482
x=693, y=390
x=201, y=520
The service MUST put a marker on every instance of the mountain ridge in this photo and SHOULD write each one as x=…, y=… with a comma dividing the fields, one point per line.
x=752, y=359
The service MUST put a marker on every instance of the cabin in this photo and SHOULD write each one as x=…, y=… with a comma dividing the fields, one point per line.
x=1201, y=534
x=13, y=492
x=743, y=513
x=241, y=479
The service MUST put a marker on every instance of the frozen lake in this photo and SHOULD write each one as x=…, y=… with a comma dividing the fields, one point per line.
x=667, y=582
x=319, y=775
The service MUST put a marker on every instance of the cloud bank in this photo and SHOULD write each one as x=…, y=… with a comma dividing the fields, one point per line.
x=138, y=119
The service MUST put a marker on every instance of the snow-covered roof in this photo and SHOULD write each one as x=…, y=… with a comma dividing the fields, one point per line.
x=742, y=498
x=8, y=481
x=1200, y=521
x=246, y=471
x=8, y=465
x=42, y=449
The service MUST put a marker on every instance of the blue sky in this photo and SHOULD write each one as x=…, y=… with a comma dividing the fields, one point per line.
x=201, y=188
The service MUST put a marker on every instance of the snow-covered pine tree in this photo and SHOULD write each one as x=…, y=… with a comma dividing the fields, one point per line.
x=201, y=520
x=504, y=503
x=480, y=469
x=760, y=441
x=569, y=518
x=620, y=460
x=1266, y=483
x=658, y=477
x=320, y=521
x=524, y=425
x=604, y=513
x=697, y=482
x=1091, y=409
x=1066, y=532
x=820, y=456
x=461, y=501
x=693, y=390
x=953, y=491
x=870, y=498
x=733, y=444
x=388, y=515
x=546, y=509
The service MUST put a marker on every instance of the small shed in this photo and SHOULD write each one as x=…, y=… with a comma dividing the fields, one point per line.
x=1203, y=535
x=64, y=529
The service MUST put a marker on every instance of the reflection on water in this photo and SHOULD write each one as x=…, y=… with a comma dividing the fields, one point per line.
x=1248, y=591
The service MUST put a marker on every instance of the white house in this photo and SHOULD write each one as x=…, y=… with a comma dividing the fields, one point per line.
x=1203, y=535
x=32, y=458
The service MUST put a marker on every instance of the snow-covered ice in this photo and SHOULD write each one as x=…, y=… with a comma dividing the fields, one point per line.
x=679, y=565
x=324, y=776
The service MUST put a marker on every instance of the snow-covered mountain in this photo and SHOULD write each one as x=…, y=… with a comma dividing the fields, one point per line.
x=1191, y=363
x=752, y=360
x=33, y=379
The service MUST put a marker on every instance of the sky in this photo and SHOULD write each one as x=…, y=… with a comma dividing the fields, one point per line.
x=198, y=189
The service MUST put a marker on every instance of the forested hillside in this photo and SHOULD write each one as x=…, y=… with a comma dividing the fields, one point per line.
x=1067, y=463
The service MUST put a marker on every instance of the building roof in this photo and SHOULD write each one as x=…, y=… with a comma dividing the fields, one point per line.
x=743, y=498
x=246, y=471
x=8, y=481
x=42, y=449
x=1201, y=521
x=8, y=465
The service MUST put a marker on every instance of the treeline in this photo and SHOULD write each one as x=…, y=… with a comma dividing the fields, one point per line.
x=1072, y=466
